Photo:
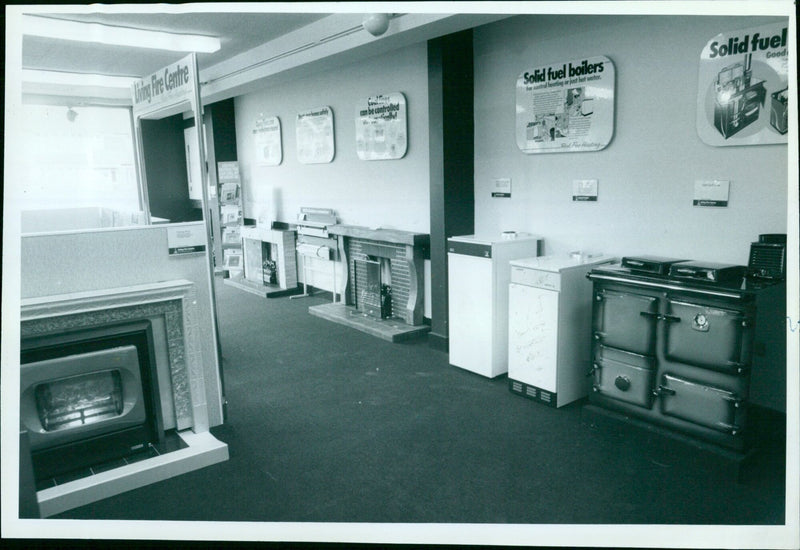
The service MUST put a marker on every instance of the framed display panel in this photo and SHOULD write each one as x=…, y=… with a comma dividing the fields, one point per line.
x=267, y=141
x=566, y=107
x=381, y=127
x=314, y=131
x=742, y=95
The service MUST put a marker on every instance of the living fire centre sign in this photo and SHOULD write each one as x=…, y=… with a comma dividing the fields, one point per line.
x=173, y=84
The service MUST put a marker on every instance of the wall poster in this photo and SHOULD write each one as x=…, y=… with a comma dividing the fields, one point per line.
x=267, y=139
x=381, y=131
x=566, y=107
x=742, y=96
x=314, y=129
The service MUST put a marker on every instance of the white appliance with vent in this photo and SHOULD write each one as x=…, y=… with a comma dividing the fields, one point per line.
x=550, y=327
x=478, y=274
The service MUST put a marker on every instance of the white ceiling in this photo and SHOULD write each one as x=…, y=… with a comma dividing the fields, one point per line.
x=238, y=33
x=258, y=47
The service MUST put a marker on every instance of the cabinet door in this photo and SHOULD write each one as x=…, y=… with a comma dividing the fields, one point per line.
x=470, y=295
x=700, y=403
x=626, y=321
x=533, y=336
x=193, y=169
x=624, y=376
x=707, y=336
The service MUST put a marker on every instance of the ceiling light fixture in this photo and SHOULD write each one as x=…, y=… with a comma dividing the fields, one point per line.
x=376, y=23
x=117, y=36
x=76, y=79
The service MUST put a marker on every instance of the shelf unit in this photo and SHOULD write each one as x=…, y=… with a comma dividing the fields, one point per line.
x=230, y=217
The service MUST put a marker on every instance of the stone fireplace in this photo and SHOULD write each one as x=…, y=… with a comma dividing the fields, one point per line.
x=171, y=309
x=383, y=293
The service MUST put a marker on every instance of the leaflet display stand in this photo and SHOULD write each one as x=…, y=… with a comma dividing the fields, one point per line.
x=230, y=217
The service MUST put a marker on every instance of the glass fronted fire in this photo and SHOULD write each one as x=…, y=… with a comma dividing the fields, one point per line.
x=89, y=396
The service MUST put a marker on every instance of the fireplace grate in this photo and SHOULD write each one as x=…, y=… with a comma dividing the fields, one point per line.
x=79, y=400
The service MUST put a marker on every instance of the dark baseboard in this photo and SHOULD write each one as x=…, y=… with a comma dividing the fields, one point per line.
x=438, y=342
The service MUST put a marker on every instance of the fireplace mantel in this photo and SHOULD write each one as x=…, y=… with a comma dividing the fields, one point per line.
x=175, y=301
x=394, y=236
x=403, y=252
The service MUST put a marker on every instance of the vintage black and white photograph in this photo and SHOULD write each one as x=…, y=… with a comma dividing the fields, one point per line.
x=265, y=280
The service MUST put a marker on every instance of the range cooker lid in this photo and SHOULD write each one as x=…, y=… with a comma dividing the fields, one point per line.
x=658, y=265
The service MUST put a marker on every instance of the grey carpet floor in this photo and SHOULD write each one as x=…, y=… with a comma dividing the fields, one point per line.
x=327, y=424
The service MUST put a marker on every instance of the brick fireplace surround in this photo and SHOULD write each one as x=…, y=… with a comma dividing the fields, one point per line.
x=172, y=306
x=405, y=253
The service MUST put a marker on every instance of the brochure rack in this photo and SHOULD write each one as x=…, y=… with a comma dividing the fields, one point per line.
x=230, y=216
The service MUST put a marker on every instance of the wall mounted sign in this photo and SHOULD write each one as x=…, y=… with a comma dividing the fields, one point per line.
x=742, y=96
x=381, y=127
x=501, y=187
x=711, y=193
x=186, y=239
x=267, y=140
x=171, y=85
x=566, y=107
x=584, y=190
x=314, y=129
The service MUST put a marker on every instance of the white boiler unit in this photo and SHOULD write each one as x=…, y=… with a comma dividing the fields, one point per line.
x=478, y=275
x=549, y=336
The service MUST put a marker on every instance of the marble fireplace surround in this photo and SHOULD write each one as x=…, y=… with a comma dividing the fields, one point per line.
x=171, y=305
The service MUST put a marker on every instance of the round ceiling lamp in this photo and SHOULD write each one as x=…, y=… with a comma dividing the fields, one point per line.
x=376, y=23
x=72, y=114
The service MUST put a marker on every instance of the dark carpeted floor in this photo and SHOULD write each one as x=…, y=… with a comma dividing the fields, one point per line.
x=327, y=424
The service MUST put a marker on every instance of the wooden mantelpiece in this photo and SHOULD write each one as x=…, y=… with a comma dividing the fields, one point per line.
x=394, y=236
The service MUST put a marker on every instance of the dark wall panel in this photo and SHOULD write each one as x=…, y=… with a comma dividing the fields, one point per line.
x=165, y=170
x=452, y=164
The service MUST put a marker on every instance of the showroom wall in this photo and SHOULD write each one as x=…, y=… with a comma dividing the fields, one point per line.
x=380, y=193
x=646, y=174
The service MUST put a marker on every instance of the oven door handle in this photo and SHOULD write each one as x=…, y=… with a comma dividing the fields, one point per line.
x=663, y=390
x=732, y=428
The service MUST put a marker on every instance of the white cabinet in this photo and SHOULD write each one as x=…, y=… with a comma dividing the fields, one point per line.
x=478, y=277
x=549, y=334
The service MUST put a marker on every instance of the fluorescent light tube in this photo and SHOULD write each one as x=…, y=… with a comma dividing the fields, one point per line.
x=117, y=36
x=76, y=79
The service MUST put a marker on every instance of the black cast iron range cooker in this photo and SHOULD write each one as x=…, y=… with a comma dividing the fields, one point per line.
x=673, y=344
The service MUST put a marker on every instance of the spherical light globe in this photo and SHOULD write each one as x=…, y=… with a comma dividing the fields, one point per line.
x=376, y=23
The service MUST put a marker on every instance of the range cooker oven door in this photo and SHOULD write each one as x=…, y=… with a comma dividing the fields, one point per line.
x=701, y=404
x=625, y=320
x=624, y=376
x=707, y=336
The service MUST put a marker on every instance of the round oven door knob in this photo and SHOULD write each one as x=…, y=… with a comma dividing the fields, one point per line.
x=623, y=383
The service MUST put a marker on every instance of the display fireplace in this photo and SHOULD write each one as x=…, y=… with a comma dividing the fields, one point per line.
x=89, y=396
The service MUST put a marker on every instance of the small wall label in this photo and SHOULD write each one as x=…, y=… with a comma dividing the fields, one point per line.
x=186, y=239
x=712, y=193
x=584, y=190
x=501, y=187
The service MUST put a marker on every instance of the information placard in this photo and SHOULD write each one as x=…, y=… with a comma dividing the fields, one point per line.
x=566, y=107
x=314, y=129
x=267, y=140
x=186, y=239
x=381, y=131
x=742, y=96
